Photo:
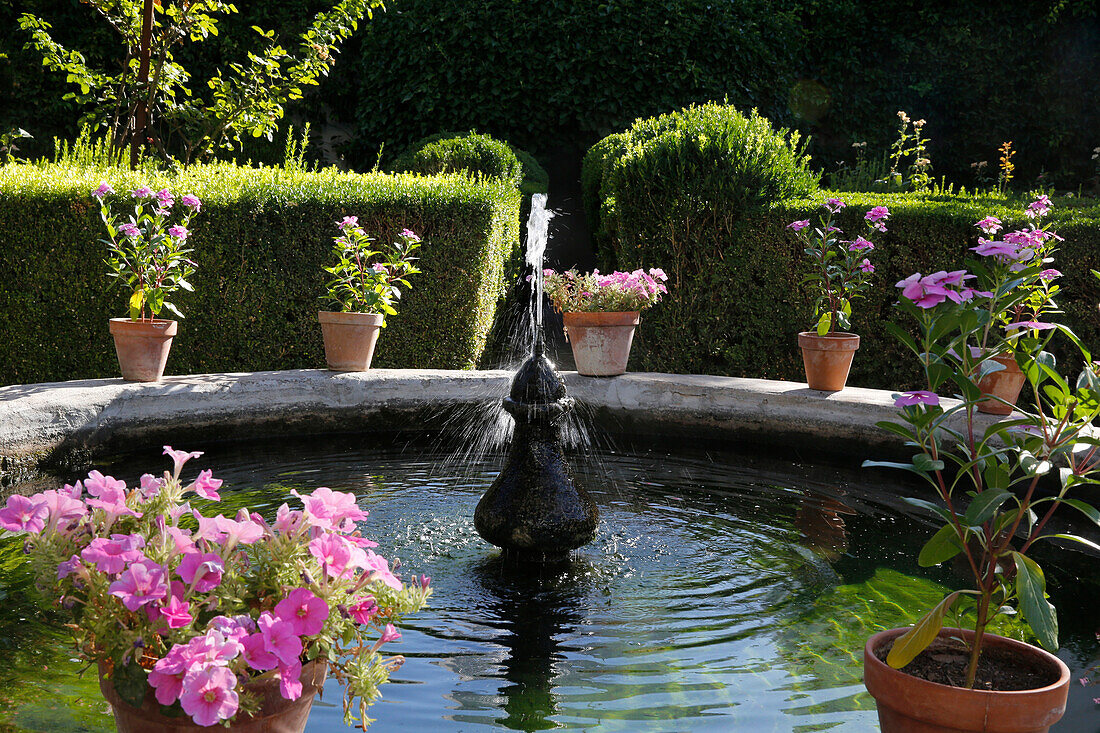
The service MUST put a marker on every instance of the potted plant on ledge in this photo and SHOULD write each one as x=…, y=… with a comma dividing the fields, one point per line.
x=600, y=313
x=364, y=288
x=938, y=675
x=197, y=621
x=841, y=273
x=147, y=255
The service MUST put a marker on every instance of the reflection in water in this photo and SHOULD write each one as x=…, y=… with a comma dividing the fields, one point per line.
x=818, y=519
x=537, y=606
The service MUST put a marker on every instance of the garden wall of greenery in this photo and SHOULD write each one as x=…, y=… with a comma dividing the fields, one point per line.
x=736, y=303
x=260, y=242
x=542, y=74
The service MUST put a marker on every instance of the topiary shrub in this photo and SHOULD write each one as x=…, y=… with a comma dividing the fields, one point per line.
x=701, y=161
x=456, y=152
x=260, y=242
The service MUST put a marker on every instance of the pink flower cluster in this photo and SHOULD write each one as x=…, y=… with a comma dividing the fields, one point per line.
x=596, y=292
x=156, y=576
x=929, y=291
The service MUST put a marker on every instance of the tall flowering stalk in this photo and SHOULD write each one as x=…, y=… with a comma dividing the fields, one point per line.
x=146, y=253
x=195, y=607
x=841, y=269
x=572, y=292
x=986, y=479
x=365, y=279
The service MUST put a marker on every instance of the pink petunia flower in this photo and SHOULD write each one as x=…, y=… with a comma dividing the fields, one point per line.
x=208, y=695
x=207, y=486
x=141, y=582
x=364, y=611
x=111, y=556
x=304, y=611
x=24, y=514
x=290, y=682
x=203, y=571
x=332, y=509
x=280, y=638
x=390, y=633
x=176, y=613
x=179, y=457
x=379, y=568
x=334, y=553
x=150, y=485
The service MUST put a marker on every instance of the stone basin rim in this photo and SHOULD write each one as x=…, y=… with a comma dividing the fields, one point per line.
x=51, y=422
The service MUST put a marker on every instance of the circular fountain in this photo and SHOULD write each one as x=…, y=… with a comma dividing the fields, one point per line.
x=534, y=509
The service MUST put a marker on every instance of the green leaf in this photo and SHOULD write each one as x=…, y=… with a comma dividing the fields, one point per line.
x=1031, y=589
x=1073, y=538
x=943, y=546
x=934, y=508
x=924, y=462
x=916, y=640
x=131, y=683
x=137, y=300
x=984, y=506
x=1087, y=509
x=824, y=323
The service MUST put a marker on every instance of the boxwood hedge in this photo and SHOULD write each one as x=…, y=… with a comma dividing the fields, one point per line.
x=737, y=302
x=259, y=242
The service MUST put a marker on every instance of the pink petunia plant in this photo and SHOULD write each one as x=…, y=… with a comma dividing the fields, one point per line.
x=595, y=292
x=198, y=607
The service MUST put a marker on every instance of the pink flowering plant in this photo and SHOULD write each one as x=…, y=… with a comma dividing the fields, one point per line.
x=841, y=268
x=619, y=292
x=986, y=477
x=194, y=608
x=146, y=252
x=365, y=279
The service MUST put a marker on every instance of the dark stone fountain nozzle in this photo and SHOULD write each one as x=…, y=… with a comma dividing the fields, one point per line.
x=534, y=510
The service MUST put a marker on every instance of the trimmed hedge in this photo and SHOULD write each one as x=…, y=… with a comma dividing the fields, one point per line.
x=472, y=152
x=259, y=242
x=736, y=301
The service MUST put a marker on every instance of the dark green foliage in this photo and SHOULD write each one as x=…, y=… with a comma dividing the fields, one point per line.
x=471, y=152
x=259, y=242
x=736, y=303
x=674, y=167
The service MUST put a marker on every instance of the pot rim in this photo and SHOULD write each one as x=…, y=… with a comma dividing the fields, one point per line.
x=589, y=319
x=876, y=640
x=351, y=316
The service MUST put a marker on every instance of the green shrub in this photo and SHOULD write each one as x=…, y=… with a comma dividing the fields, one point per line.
x=736, y=302
x=259, y=242
x=471, y=152
x=688, y=165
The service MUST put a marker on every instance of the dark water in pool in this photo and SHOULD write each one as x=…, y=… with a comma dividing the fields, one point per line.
x=722, y=593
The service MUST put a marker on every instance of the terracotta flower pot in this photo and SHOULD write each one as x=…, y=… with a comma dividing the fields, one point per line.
x=1005, y=384
x=276, y=713
x=908, y=704
x=349, y=339
x=827, y=359
x=601, y=341
x=142, y=347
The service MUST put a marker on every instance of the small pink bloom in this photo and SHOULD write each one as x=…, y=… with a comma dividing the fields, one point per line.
x=288, y=521
x=69, y=567
x=167, y=674
x=97, y=484
x=130, y=230
x=240, y=531
x=410, y=234
x=207, y=486
x=866, y=265
x=364, y=611
x=143, y=192
x=799, y=225
x=102, y=190
x=332, y=509
x=24, y=514
x=201, y=571
x=390, y=633
x=1039, y=207
x=348, y=221
x=181, y=538
x=176, y=613
x=1029, y=326
x=180, y=457
x=378, y=267
x=142, y=582
x=164, y=198
x=178, y=231
x=256, y=654
x=191, y=201
x=208, y=695
x=290, y=682
x=877, y=214
x=111, y=556
x=280, y=638
x=989, y=225
x=859, y=244
x=917, y=397
x=304, y=611
x=379, y=568
x=834, y=205
x=1049, y=274
x=151, y=485
x=208, y=529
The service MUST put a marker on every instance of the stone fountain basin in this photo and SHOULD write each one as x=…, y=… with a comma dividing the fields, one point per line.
x=58, y=423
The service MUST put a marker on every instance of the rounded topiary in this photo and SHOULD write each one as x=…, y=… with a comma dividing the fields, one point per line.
x=472, y=152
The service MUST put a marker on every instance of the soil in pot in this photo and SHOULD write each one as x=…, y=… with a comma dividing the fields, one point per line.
x=944, y=662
